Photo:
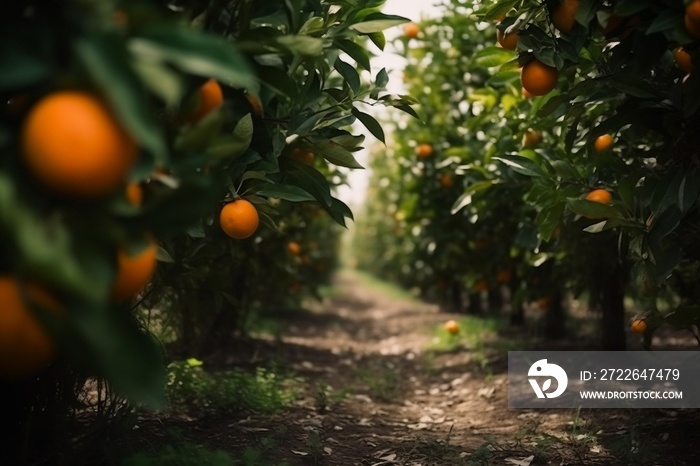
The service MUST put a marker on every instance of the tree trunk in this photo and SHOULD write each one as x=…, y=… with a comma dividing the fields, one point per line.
x=613, y=307
x=457, y=298
x=555, y=319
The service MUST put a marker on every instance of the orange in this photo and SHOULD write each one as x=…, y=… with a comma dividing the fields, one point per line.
x=424, y=150
x=639, y=326
x=411, y=30
x=538, y=78
x=683, y=60
x=613, y=22
x=508, y=42
x=452, y=327
x=303, y=156
x=481, y=285
x=25, y=345
x=692, y=27
x=692, y=11
x=73, y=145
x=293, y=248
x=603, y=143
x=134, y=271
x=544, y=303
x=531, y=138
x=210, y=97
x=255, y=104
x=503, y=276
x=120, y=17
x=564, y=15
x=446, y=180
x=239, y=219
x=481, y=244
x=599, y=195
x=134, y=194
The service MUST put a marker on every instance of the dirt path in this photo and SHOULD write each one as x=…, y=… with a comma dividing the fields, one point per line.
x=372, y=392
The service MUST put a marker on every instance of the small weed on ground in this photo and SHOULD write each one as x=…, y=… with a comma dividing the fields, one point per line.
x=191, y=388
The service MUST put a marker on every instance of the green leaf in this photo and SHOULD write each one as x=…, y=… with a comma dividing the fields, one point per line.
x=349, y=73
x=666, y=192
x=103, y=57
x=285, y=191
x=336, y=154
x=355, y=51
x=522, y=165
x=194, y=52
x=378, y=22
x=20, y=68
x=339, y=211
x=683, y=316
x=378, y=39
x=497, y=10
x=121, y=352
x=590, y=209
x=466, y=197
x=370, y=123
x=48, y=251
x=630, y=7
x=236, y=144
x=312, y=181
x=492, y=56
x=688, y=191
x=301, y=45
x=548, y=219
x=668, y=19
x=565, y=170
x=382, y=78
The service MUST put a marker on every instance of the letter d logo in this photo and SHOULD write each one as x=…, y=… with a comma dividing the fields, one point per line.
x=542, y=368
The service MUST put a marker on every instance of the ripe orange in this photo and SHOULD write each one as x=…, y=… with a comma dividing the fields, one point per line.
x=293, y=248
x=531, y=138
x=411, y=30
x=481, y=285
x=603, y=143
x=303, y=156
x=538, y=78
x=134, y=194
x=504, y=276
x=639, y=326
x=613, y=22
x=255, y=104
x=424, y=150
x=509, y=42
x=692, y=11
x=239, y=219
x=446, y=180
x=73, y=145
x=599, y=195
x=564, y=15
x=25, y=345
x=134, y=271
x=683, y=60
x=481, y=244
x=210, y=97
x=452, y=327
x=692, y=27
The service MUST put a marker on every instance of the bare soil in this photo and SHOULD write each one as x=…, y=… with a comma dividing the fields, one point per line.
x=372, y=392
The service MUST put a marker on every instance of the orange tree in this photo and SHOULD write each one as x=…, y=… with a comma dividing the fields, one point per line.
x=128, y=126
x=480, y=109
x=617, y=77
